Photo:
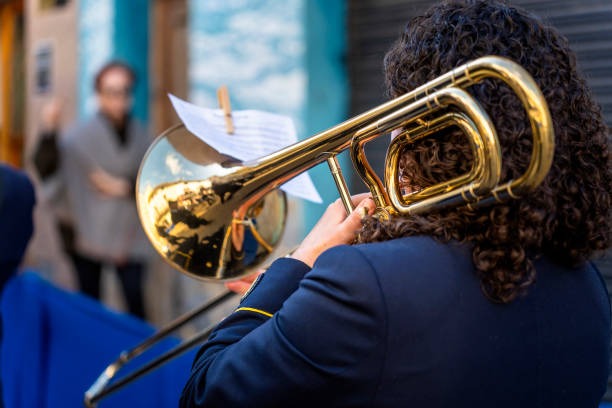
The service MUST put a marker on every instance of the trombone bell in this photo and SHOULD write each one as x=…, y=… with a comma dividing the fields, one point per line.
x=185, y=193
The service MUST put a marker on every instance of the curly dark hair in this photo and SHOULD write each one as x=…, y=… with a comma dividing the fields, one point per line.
x=567, y=218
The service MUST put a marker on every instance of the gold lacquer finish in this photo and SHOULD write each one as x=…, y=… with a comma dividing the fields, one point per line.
x=425, y=101
x=193, y=208
x=484, y=174
x=216, y=218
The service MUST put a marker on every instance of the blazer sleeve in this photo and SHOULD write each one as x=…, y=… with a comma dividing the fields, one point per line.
x=294, y=341
x=46, y=157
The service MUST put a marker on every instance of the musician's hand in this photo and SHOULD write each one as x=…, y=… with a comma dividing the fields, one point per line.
x=334, y=228
x=241, y=286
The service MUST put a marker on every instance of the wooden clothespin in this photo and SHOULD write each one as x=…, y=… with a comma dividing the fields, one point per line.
x=224, y=104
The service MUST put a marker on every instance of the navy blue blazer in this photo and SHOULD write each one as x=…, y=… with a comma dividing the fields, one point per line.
x=17, y=200
x=404, y=323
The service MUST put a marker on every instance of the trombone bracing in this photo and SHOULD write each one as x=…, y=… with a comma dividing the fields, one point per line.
x=215, y=218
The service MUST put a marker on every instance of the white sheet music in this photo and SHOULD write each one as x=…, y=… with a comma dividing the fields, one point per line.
x=256, y=134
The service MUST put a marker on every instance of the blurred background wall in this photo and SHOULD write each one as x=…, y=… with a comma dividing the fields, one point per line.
x=286, y=57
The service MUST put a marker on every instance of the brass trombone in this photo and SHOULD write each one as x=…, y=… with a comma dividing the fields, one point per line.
x=216, y=218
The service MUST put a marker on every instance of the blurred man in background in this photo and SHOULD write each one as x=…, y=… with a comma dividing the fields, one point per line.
x=96, y=163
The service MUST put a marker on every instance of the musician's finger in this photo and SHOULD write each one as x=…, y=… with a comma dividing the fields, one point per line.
x=242, y=285
x=239, y=287
x=352, y=224
x=358, y=198
x=338, y=206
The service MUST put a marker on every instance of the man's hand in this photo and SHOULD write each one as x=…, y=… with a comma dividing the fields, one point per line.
x=109, y=185
x=51, y=115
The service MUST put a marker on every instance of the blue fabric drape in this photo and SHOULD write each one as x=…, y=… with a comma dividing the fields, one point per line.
x=57, y=343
